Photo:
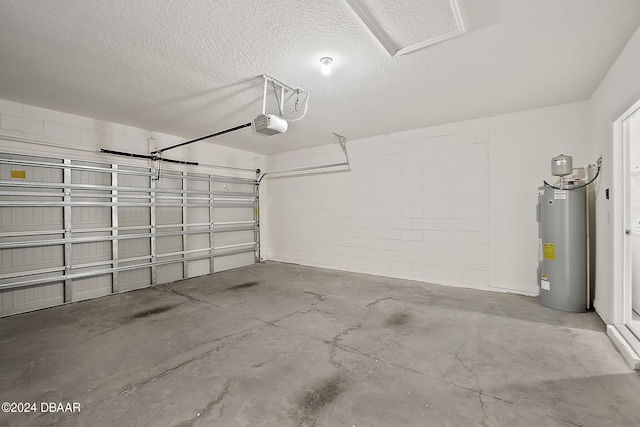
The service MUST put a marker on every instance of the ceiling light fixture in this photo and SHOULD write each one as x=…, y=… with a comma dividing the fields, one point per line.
x=326, y=65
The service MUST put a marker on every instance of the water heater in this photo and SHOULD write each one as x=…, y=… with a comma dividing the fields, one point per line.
x=562, y=247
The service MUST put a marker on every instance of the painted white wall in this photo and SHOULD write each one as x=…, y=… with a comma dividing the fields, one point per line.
x=56, y=126
x=617, y=92
x=414, y=205
x=452, y=204
x=521, y=146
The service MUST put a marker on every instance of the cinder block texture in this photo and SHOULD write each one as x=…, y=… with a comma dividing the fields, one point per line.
x=413, y=205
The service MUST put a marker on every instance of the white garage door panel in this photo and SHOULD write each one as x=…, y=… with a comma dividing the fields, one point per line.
x=197, y=182
x=166, y=182
x=198, y=215
x=199, y=245
x=132, y=216
x=234, y=214
x=32, y=218
x=30, y=259
x=125, y=179
x=229, y=262
x=168, y=244
x=33, y=173
x=90, y=217
x=233, y=238
x=198, y=268
x=134, y=279
x=98, y=228
x=170, y=272
x=134, y=248
x=198, y=242
x=31, y=298
x=87, y=253
x=168, y=215
x=91, y=287
x=232, y=187
x=91, y=176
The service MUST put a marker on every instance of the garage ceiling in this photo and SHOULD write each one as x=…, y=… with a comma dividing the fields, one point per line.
x=192, y=67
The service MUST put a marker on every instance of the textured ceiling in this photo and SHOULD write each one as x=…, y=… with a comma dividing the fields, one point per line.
x=191, y=67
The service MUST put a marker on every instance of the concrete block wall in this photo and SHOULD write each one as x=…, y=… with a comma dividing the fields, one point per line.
x=78, y=131
x=452, y=204
x=414, y=205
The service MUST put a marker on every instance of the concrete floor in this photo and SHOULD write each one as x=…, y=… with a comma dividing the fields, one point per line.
x=286, y=345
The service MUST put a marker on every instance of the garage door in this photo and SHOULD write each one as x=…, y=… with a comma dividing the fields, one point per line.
x=74, y=230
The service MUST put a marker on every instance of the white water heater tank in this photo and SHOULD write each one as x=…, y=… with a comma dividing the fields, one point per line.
x=562, y=247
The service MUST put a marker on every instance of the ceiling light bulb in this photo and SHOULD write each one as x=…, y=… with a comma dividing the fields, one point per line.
x=326, y=65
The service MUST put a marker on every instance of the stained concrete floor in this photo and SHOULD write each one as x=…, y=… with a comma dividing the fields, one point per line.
x=285, y=345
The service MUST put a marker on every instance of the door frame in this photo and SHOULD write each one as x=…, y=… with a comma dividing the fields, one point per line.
x=626, y=341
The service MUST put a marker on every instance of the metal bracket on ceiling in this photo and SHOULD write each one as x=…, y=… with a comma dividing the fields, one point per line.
x=284, y=88
x=343, y=144
x=342, y=141
x=280, y=98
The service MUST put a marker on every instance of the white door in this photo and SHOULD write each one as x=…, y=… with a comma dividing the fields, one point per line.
x=625, y=332
x=631, y=134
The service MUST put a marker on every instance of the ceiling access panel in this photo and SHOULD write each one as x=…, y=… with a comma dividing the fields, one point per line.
x=404, y=26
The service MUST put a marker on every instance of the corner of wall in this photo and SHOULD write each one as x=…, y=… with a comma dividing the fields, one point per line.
x=616, y=93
